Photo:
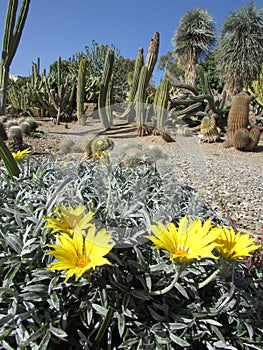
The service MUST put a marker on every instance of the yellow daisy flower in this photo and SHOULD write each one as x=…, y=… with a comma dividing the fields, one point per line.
x=21, y=154
x=234, y=245
x=68, y=219
x=192, y=240
x=78, y=254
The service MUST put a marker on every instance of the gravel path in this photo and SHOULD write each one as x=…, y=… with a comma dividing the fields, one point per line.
x=230, y=181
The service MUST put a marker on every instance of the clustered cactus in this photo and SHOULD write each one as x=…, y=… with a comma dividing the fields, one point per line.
x=239, y=133
x=97, y=148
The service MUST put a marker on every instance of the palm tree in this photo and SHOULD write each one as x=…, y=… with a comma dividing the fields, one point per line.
x=240, y=50
x=193, y=39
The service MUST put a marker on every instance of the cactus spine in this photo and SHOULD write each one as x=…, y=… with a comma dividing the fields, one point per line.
x=104, y=86
x=81, y=90
x=12, y=33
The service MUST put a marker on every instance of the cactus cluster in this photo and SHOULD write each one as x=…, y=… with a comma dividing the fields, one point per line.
x=239, y=135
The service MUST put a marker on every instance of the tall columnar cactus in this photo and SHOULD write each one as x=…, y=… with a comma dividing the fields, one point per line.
x=139, y=102
x=238, y=134
x=12, y=33
x=151, y=59
x=130, y=111
x=161, y=102
x=81, y=90
x=104, y=86
x=152, y=55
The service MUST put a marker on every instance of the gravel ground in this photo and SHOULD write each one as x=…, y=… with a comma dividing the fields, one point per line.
x=230, y=181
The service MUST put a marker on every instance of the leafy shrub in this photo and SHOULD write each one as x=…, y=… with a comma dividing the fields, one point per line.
x=112, y=307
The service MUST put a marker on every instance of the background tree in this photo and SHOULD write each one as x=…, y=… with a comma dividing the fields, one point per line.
x=240, y=51
x=193, y=39
x=168, y=62
x=12, y=33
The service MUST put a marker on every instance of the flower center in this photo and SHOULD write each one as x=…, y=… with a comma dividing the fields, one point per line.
x=181, y=251
x=83, y=261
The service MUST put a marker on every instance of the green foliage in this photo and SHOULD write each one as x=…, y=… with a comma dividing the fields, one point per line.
x=112, y=307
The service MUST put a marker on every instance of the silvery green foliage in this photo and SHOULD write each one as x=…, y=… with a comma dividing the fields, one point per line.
x=111, y=308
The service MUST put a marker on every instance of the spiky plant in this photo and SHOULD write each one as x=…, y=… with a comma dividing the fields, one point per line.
x=193, y=39
x=240, y=48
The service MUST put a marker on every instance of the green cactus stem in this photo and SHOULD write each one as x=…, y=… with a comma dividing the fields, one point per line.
x=104, y=86
x=130, y=110
x=152, y=55
x=161, y=102
x=81, y=90
x=15, y=139
x=139, y=102
x=12, y=33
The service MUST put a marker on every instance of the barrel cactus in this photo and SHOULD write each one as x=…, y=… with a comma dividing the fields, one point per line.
x=238, y=133
x=209, y=130
x=15, y=139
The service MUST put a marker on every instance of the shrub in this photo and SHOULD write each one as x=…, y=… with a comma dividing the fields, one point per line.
x=113, y=307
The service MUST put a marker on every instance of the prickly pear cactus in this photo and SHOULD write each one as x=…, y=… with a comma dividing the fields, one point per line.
x=238, y=133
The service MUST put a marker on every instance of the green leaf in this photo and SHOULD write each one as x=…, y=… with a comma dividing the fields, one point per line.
x=178, y=341
x=45, y=341
x=121, y=324
x=58, y=332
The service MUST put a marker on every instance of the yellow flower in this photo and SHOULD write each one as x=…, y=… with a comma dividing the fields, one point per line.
x=68, y=220
x=78, y=254
x=190, y=241
x=234, y=246
x=21, y=154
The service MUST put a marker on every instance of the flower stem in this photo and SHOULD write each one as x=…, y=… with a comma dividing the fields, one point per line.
x=170, y=286
x=209, y=279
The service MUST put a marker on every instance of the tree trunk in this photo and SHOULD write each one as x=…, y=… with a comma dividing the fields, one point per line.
x=232, y=88
x=190, y=70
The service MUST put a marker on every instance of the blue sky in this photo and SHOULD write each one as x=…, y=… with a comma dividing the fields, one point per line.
x=64, y=27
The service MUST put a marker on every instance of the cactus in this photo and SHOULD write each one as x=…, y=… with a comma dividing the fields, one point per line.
x=81, y=90
x=104, y=86
x=209, y=129
x=3, y=135
x=15, y=139
x=152, y=55
x=150, y=62
x=139, y=103
x=12, y=33
x=254, y=136
x=25, y=127
x=161, y=102
x=238, y=123
x=98, y=148
x=130, y=111
x=241, y=138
